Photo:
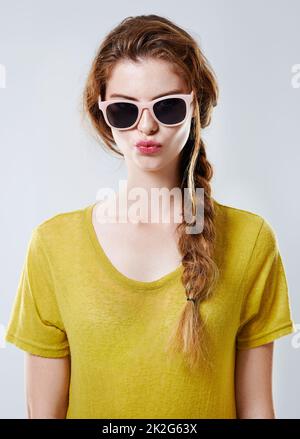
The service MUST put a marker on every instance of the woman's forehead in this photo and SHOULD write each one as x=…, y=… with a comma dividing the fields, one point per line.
x=139, y=81
x=143, y=67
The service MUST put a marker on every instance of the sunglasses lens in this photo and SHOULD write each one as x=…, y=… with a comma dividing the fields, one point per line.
x=121, y=114
x=170, y=111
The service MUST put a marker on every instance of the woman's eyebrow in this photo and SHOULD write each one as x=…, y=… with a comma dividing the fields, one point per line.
x=172, y=92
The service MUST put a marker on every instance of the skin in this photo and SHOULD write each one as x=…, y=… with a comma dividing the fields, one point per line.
x=46, y=386
x=50, y=377
x=253, y=382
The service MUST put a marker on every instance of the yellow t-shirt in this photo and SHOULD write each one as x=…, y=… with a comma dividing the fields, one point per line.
x=72, y=300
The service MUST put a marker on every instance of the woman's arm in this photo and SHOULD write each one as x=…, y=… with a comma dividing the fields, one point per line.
x=253, y=382
x=47, y=386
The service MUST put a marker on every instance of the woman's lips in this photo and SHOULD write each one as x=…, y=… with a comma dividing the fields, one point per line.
x=147, y=143
x=148, y=147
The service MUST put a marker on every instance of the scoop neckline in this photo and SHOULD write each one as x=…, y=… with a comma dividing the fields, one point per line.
x=110, y=267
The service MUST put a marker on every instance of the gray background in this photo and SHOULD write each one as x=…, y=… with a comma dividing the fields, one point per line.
x=51, y=163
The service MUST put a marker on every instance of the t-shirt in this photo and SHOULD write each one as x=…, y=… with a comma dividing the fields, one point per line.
x=71, y=300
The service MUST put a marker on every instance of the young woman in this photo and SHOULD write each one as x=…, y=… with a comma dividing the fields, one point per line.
x=143, y=319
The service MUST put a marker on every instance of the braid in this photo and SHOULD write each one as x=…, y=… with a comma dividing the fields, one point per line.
x=200, y=271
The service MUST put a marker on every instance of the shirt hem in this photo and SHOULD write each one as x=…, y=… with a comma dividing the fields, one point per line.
x=267, y=338
x=36, y=350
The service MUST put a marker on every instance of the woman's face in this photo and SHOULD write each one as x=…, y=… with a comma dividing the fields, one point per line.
x=145, y=80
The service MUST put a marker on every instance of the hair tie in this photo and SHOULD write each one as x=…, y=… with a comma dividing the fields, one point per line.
x=190, y=298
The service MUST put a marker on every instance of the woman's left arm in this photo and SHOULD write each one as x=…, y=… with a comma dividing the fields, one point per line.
x=253, y=382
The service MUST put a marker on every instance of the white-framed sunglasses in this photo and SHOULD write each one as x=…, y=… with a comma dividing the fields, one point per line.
x=169, y=110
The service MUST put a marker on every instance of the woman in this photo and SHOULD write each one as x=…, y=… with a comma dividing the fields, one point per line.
x=142, y=319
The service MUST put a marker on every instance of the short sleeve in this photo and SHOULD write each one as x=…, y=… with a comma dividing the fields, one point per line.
x=265, y=312
x=35, y=323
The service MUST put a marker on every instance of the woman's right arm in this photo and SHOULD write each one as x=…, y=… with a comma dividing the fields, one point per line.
x=47, y=386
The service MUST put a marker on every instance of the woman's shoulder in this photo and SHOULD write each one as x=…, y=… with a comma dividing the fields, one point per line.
x=242, y=224
x=63, y=225
x=236, y=213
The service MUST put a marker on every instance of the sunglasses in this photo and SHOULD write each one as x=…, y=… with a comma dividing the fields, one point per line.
x=171, y=110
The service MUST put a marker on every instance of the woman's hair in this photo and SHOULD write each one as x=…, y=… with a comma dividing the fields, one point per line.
x=153, y=36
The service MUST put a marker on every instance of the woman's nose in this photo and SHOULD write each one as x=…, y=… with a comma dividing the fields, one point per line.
x=147, y=121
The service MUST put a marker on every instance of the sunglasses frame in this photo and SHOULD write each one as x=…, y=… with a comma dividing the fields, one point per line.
x=148, y=105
